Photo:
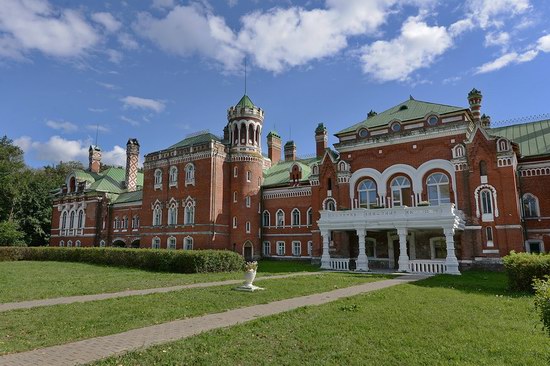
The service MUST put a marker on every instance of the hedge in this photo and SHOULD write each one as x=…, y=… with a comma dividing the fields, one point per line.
x=542, y=302
x=523, y=268
x=148, y=259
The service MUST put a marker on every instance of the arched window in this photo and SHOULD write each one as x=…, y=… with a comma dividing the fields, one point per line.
x=309, y=216
x=171, y=243
x=280, y=218
x=64, y=220
x=330, y=204
x=401, y=191
x=367, y=193
x=266, y=219
x=438, y=189
x=172, y=214
x=235, y=135
x=61, y=243
x=78, y=243
x=395, y=127
x=116, y=223
x=243, y=134
x=102, y=243
x=247, y=226
x=251, y=134
x=70, y=243
x=189, y=212
x=71, y=220
x=188, y=243
x=157, y=215
x=173, y=175
x=486, y=202
x=158, y=178
x=482, y=168
x=489, y=234
x=80, y=221
x=234, y=222
x=125, y=222
x=458, y=151
x=190, y=174
x=72, y=184
x=295, y=217
x=530, y=206
x=135, y=222
x=155, y=243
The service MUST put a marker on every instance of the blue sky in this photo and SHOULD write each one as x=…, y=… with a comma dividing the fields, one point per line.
x=159, y=70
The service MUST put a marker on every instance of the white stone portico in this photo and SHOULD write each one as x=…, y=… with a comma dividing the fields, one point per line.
x=402, y=219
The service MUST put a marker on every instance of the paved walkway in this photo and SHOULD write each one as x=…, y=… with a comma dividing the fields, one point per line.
x=84, y=298
x=94, y=349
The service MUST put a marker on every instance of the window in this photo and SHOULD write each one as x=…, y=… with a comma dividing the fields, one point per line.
x=438, y=248
x=125, y=222
x=482, y=168
x=296, y=248
x=280, y=218
x=295, y=217
x=80, y=221
x=70, y=243
x=489, y=235
x=188, y=243
x=367, y=193
x=330, y=204
x=248, y=176
x=173, y=180
x=266, y=218
x=157, y=215
x=155, y=244
x=102, y=244
x=173, y=214
x=190, y=174
x=116, y=223
x=530, y=206
x=235, y=196
x=432, y=120
x=234, y=222
x=438, y=189
x=71, y=220
x=171, y=244
x=235, y=172
x=533, y=246
x=280, y=248
x=158, y=179
x=396, y=127
x=64, y=221
x=486, y=202
x=247, y=226
x=458, y=151
x=267, y=248
x=309, y=248
x=401, y=191
x=247, y=201
x=309, y=216
x=363, y=133
x=189, y=212
x=61, y=243
x=77, y=243
x=135, y=222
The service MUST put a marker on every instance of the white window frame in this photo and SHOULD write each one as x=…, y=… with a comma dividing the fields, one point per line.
x=190, y=174
x=296, y=248
x=362, y=187
x=296, y=214
x=247, y=227
x=157, y=215
x=490, y=236
x=436, y=201
x=189, y=211
x=155, y=243
x=173, y=176
x=486, y=204
x=171, y=243
x=157, y=179
x=528, y=246
x=535, y=203
x=69, y=243
x=310, y=248
x=247, y=201
x=280, y=219
x=62, y=243
x=309, y=216
x=281, y=244
x=329, y=204
x=173, y=213
x=248, y=175
x=266, y=223
x=433, y=240
x=102, y=244
x=188, y=243
x=396, y=189
x=234, y=196
x=234, y=222
x=266, y=249
x=235, y=172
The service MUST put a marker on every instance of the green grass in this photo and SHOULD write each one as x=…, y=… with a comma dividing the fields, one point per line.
x=39, y=280
x=446, y=320
x=40, y=327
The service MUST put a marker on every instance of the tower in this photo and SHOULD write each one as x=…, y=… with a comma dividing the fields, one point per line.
x=290, y=151
x=132, y=156
x=94, y=158
x=245, y=121
x=474, y=99
x=274, y=147
x=321, y=139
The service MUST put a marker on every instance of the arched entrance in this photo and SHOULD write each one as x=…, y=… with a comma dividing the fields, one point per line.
x=135, y=243
x=248, y=251
x=119, y=243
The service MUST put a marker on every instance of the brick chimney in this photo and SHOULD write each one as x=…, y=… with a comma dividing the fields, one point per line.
x=290, y=151
x=321, y=139
x=94, y=157
x=274, y=147
x=132, y=156
x=474, y=98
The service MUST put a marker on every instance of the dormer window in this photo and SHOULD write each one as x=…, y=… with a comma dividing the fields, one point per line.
x=395, y=127
x=363, y=133
x=432, y=120
x=403, y=108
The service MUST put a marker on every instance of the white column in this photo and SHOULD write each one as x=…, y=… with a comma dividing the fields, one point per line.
x=325, y=258
x=362, y=263
x=451, y=262
x=403, y=256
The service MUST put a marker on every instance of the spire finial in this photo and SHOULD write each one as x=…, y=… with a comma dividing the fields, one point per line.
x=245, y=59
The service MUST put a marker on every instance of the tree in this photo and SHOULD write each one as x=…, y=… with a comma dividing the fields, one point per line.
x=11, y=167
x=10, y=235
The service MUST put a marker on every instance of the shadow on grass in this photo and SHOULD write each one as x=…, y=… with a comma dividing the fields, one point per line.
x=274, y=266
x=475, y=282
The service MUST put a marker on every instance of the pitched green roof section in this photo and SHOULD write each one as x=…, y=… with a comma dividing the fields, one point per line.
x=129, y=197
x=408, y=110
x=533, y=138
x=111, y=180
x=245, y=102
x=279, y=174
x=273, y=133
x=195, y=140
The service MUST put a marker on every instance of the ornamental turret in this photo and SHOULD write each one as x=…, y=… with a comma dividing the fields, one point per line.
x=474, y=99
x=245, y=126
x=94, y=159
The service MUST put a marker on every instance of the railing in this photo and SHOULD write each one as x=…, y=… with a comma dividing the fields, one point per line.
x=339, y=264
x=427, y=266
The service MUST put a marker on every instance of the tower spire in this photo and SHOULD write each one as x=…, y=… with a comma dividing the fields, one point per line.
x=245, y=59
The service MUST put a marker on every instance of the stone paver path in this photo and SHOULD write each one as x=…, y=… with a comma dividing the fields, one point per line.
x=93, y=349
x=111, y=295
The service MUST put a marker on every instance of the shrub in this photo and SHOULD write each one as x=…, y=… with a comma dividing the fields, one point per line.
x=148, y=259
x=542, y=301
x=523, y=268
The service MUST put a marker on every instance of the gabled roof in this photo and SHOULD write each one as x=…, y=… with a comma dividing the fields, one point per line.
x=128, y=197
x=194, y=140
x=279, y=174
x=245, y=102
x=408, y=110
x=111, y=180
x=533, y=138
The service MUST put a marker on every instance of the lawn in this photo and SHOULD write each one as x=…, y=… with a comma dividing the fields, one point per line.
x=39, y=280
x=46, y=326
x=445, y=320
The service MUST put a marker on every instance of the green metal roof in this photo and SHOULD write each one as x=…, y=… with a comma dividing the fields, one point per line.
x=279, y=173
x=273, y=133
x=127, y=197
x=194, y=140
x=245, y=102
x=408, y=110
x=111, y=180
x=533, y=138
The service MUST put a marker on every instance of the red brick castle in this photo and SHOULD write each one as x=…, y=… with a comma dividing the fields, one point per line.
x=420, y=187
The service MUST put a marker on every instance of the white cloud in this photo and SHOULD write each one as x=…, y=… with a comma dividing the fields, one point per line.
x=114, y=56
x=493, y=12
x=505, y=60
x=132, y=122
x=497, y=39
x=143, y=103
x=543, y=43
x=416, y=47
x=57, y=149
x=161, y=4
x=127, y=41
x=107, y=20
x=34, y=25
x=461, y=26
x=64, y=126
x=106, y=86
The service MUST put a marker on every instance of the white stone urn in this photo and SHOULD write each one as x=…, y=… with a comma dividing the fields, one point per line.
x=249, y=277
x=250, y=269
